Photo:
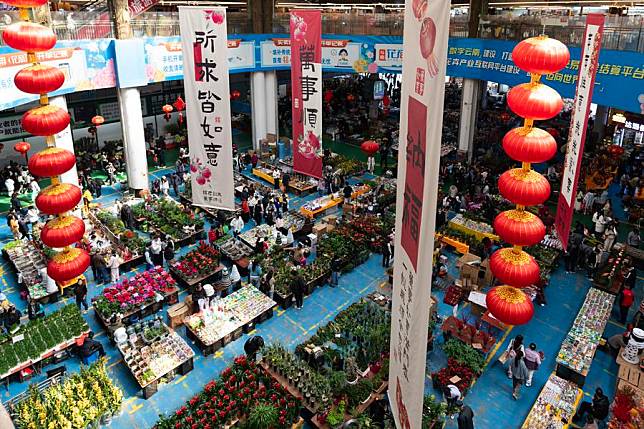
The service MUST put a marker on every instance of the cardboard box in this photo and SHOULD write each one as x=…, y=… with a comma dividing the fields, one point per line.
x=486, y=276
x=331, y=220
x=177, y=313
x=319, y=229
x=468, y=259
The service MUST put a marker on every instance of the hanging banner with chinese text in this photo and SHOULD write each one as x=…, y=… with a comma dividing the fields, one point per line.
x=426, y=31
x=205, y=65
x=306, y=81
x=578, y=124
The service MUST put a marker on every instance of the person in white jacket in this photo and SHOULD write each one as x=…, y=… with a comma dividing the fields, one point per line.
x=237, y=225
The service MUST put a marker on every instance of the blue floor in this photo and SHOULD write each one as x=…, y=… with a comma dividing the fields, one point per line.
x=490, y=397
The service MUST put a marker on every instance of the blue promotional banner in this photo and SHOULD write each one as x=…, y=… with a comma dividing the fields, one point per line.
x=129, y=72
x=90, y=64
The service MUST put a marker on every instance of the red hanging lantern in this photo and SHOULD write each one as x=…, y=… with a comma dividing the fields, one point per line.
x=29, y=37
x=524, y=187
x=98, y=120
x=514, y=267
x=534, y=101
x=39, y=79
x=167, y=109
x=509, y=305
x=370, y=147
x=60, y=198
x=235, y=94
x=22, y=147
x=68, y=264
x=45, y=120
x=519, y=227
x=351, y=98
x=532, y=145
x=540, y=55
x=52, y=161
x=62, y=232
x=25, y=3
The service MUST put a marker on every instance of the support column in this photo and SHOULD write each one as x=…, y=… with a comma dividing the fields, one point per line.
x=136, y=162
x=258, y=107
x=272, y=126
x=469, y=107
x=65, y=140
x=601, y=119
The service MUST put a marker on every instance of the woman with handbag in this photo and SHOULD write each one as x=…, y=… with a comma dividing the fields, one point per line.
x=519, y=373
x=516, y=344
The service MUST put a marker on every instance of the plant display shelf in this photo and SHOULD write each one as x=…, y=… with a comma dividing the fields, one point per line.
x=182, y=366
x=140, y=312
x=361, y=408
x=477, y=230
x=27, y=259
x=289, y=387
x=134, y=261
x=189, y=283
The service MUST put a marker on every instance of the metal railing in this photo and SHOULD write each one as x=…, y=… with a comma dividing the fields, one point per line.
x=620, y=33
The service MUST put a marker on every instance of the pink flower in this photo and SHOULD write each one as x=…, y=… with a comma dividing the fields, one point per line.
x=214, y=16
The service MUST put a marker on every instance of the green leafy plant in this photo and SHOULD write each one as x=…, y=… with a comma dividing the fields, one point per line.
x=433, y=411
x=261, y=416
x=336, y=415
x=464, y=354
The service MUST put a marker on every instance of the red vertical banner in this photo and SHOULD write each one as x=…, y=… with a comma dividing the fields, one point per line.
x=590, y=48
x=306, y=81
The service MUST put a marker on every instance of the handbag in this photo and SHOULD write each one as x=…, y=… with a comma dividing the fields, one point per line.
x=504, y=357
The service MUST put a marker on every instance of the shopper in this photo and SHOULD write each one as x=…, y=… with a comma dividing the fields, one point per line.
x=198, y=297
x=516, y=345
x=254, y=273
x=34, y=309
x=276, y=178
x=465, y=416
x=598, y=408
x=165, y=186
x=297, y=287
x=80, y=292
x=600, y=222
x=626, y=299
x=610, y=234
x=335, y=270
x=12, y=318
x=633, y=238
x=252, y=346
x=237, y=224
x=91, y=346
x=168, y=249
x=519, y=373
x=111, y=173
x=532, y=362
x=452, y=395
x=113, y=264
x=387, y=251
x=209, y=292
x=99, y=269
x=617, y=341
x=235, y=278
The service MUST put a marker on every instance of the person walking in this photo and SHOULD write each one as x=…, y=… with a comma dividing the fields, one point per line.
x=516, y=345
x=99, y=268
x=80, y=292
x=387, y=251
x=335, y=271
x=465, y=418
x=598, y=408
x=626, y=299
x=610, y=234
x=298, y=286
x=156, y=250
x=165, y=186
x=168, y=250
x=519, y=373
x=235, y=278
x=532, y=362
x=600, y=224
x=237, y=224
x=114, y=264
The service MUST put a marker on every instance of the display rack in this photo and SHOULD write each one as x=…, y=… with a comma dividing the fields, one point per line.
x=322, y=205
x=554, y=406
x=479, y=230
x=579, y=347
x=27, y=260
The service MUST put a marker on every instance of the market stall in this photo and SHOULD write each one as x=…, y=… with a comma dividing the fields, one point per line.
x=324, y=205
x=302, y=185
x=211, y=213
x=154, y=351
x=200, y=265
x=165, y=216
x=236, y=251
x=579, y=347
x=264, y=173
x=28, y=260
x=229, y=317
x=135, y=297
x=477, y=229
x=609, y=278
x=555, y=405
x=33, y=343
x=130, y=245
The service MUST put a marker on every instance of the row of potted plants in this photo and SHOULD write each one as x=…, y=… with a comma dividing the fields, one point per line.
x=138, y=291
x=468, y=333
x=40, y=336
x=373, y=228
x=127, y=238
x=79, y=401
x=198, y=262
x=244, y=395
x=168, y=217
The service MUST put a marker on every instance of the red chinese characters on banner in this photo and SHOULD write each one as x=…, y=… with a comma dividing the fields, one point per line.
x=306, y=78
x=414, y=179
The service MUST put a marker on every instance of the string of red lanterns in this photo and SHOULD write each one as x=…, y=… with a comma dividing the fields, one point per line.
x=47, y=120
x=523, y=186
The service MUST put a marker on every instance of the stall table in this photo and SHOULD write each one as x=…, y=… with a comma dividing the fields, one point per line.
x=231, y=316
x=27, y=260
x=479, y=230
x=555, y=405
x=188, y=283
x=264, y=174
x=321, y=205
x=150, y=362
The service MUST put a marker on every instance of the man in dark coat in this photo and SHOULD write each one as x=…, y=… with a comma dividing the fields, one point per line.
x=127, y=216
x=298, y=287
x=465, y=416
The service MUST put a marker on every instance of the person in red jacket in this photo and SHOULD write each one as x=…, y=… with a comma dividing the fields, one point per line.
x=626, y=299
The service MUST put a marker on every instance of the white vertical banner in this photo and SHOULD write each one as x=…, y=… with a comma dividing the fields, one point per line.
x=205, y=65
x=426, y=31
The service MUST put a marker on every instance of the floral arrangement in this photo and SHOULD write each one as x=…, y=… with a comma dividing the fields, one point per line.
x=128, y=238
x=443, y=377
x=372, y=231
x=197, y=263
x=626, y=413
x=77, y=402
x=241, y=389
x=349, y=166
x=40, y=336
x=136, y=291
x=167, y=216
x=468, y=333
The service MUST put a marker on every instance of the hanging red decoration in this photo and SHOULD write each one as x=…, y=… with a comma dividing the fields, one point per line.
x=25, y=3
x=235, y=94
x=179, y=104
x=535, y=101
x=22, y=147
x=68, y=264
x=524, y=187
x=386, y=101
x=532, y=145
x=519, y=227
x=59, y=198
x=370, y=147
x=328, y=96
x=46, y=120
x=62, y=232
x=39, y=79
x=515, y=267
x=509, y=305
x=29, y=37
x=167, y=109
x=351, y=98
x=52, y=161
x=540, y=55
x=98, y=120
